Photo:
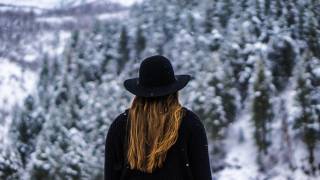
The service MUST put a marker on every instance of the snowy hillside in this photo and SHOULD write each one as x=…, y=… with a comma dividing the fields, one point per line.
x=13, y=80
x=256, y=69
x=15, y=84
x=57, y=4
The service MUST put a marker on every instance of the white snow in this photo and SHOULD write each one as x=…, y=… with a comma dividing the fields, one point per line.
x=15, y=84
x=33, y=3
x=241, y=156
x=316, y=71
x=59, y=20
x=56, y=20
x=115, y=15
x=20, y=9
x=49, y=4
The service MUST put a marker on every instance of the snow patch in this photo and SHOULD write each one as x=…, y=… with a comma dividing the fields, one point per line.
x=115, y=15
x=240, y=159
x=56, y=19
x=15, y=82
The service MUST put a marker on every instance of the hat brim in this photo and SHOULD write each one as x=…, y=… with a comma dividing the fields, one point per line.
x=135, y=88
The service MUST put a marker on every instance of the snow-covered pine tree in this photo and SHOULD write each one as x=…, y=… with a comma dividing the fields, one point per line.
x=258, y=11
x=224, y=11
x=307, y=121
x=243, y=69
x=289, y=13
x=60, y=151
x=10, y=163
x=277, y=8
x=109, y=50
x=140, y=42
x=123, y=49
x=227, y=90
x=208, y=20
x=311, y=33
x=229, y=96
x=261, y=110
x=283, y=58
x=266, y=7
x=207, y=103
x=44, y=82
x=27, y=124
x=211, y=112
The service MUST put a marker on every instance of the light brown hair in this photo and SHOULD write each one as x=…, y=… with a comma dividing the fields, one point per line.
x=154, y=125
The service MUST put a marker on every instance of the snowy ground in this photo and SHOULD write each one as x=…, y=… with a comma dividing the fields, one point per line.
x=49, y=4
x=58, y=20
x=240, y=157
x=241, y=154
x=15, y=84
x=16, y=81
x=115, y=15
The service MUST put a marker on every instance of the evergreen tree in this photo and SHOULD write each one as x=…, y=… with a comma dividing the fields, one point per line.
x=208, y=26
x=261, y=110
x=108, y=52
x=227, y=87
x=10, y=164
x=300, y=26
x=74, y=39
x=283, y=58
x=243, y=69
x=290, y=16
x=267, y=7
x=278, y=9
x=258, y=9
x=307, y=122
x=212, y=112
x=312, y=36
x=244, y=5
x=123, y=49
x=58, y=155
x=140, y=43
x=44, y=82
x=225, y=12
x=228, y=94
x=27, y=125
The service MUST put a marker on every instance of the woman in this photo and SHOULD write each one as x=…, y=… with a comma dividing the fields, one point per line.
x=156, y=138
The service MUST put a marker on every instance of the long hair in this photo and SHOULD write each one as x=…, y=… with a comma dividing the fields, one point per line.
x=154, y=129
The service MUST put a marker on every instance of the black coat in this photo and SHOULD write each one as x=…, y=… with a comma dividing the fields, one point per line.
x=191, y=131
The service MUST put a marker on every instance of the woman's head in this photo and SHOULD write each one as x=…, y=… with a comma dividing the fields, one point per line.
x=154, y=125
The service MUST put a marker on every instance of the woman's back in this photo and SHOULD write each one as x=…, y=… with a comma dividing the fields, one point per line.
x=186, y=159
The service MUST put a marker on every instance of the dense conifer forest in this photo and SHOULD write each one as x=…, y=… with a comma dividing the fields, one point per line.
x=256, y=85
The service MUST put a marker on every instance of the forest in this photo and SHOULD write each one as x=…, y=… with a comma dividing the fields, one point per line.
x=256, y=85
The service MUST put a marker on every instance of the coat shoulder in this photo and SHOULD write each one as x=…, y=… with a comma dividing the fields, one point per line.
x=193, y=122
x=118, y=123
x=191, y=117
x=122, y=116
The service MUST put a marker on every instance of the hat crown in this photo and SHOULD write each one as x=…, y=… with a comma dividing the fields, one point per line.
x=156, y=71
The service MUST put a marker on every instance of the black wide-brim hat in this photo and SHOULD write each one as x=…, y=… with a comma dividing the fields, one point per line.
x=156, y=78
